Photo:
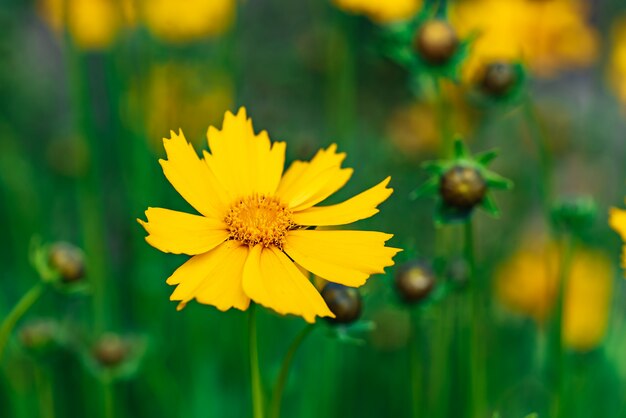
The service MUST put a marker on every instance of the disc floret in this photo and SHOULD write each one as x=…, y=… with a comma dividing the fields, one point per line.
x=259, y=219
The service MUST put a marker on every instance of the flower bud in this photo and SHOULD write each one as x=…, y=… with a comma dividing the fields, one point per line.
x=414, y=281
x=462, y=187
x=39, y=335
x=436, y=42
x=68, y=261
x=345, y=302
x=110, y=350
x=574, y=214
x=498, y=78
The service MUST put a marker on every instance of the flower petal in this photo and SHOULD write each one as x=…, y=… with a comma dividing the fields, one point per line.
x=359, y=207
x=345, y=257
x=182, y=233
x=213, y=278
x=271, y=279
x=191, y=177
x=306, y=184
x=245, y=163
x=617, y=221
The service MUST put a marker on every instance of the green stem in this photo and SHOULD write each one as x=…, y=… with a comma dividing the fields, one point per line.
x=540, y=139
x=557, y=329
x=476, y=377
x=414, y=365
x=44, y=392
x=284, y=371
x=18, y=311
x=108, y=398
x=443, y=120
x=255, y=373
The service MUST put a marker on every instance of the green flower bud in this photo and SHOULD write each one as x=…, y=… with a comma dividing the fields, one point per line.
x=462, y=188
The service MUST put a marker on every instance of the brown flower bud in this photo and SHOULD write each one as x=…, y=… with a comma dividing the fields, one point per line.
x=345, y=302
x=462, y=187
x=414, y=281
x=110, y=350
x=68, y=261
x=498, y=78
x=38, y=334
x=436, y=42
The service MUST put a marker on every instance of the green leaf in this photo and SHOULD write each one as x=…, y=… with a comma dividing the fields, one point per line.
x=496, y=181
x=489, y=205
x=484, y=158
x=430, y=188
x=460, y=150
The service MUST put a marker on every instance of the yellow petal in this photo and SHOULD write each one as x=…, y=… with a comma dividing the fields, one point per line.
x=272, y=280
x=192, y=178
x=359, y=207
x=345, y=257
x=306, y=184
x=244, y=162
x=617, y=221
x=182, y=233
x=213, y=278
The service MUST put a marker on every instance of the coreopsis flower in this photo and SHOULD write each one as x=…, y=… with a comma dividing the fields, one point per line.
x=382, y=12
x=187, y=21
x=548, y=36
x=617, y=65
x=188, y=94
x=617, y=221
x=256, y=232
x=527, y=284
x=93, y=24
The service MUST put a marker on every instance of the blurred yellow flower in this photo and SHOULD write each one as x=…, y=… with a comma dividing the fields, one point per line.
x=617, y=65
x=189, y=20
x=548, y=35
x=617, y=221
x=93, y=24
x=527, y=284
x=189, y=95
x=414, y=129
x=255, y=229
x=386, y=11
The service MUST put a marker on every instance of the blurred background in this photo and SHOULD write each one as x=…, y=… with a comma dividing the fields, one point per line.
x=90, y=87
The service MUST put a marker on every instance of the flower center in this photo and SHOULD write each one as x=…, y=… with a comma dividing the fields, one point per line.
x=259, y=219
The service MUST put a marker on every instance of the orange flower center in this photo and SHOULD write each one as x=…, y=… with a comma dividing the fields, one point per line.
x=259, y=219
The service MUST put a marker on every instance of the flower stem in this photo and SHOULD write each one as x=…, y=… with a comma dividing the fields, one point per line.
x=108, y=398
x=414, y=367
x=18, y=311
x=284, y=371
x=538, y=136
x=44, y=392
x=476, y=377
x=557, y=329
x=255, y=373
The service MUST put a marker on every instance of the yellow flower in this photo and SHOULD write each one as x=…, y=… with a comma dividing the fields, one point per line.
x=255, y=229
x=189, y=20
x=386, y=11
x=185, y=94
x=548, y=35
x=617, y=221
x=617, y=65
x=527, y=284
x=93, y=24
